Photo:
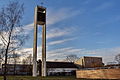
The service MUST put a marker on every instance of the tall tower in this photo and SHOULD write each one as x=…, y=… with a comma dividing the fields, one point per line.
x=39, y=19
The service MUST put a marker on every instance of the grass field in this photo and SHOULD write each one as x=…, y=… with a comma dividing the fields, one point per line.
x=41, y=78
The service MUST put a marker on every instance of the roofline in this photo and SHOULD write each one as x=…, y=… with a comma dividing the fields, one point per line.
x=92, y=56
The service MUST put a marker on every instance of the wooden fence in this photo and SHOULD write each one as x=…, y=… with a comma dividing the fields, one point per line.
x=99, y=74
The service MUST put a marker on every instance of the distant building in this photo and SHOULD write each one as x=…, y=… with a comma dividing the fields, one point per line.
x=112, y=65
x=89, y=62
x=60, y=68
x=18, y=69
x=53, y=69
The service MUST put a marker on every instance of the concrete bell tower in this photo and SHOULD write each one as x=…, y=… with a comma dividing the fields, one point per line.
x=39, y=19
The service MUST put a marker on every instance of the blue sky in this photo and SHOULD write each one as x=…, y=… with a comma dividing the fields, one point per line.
x=81, y=27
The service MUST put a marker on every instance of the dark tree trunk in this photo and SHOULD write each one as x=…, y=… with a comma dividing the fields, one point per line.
x=6, y=54
x=15, y=69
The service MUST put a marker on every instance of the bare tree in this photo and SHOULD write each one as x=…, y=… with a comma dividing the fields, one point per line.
x=117, y=58
x=15, y=58
x=29, y=59
x=71, y=58
x=11, y=31
x=1, y=53
x=24, y=61
x=56, y=60
x=28, y=63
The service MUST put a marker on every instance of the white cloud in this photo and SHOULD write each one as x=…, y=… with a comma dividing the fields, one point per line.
x=28, y=28
x=103, y=6
x=60, y=50
x=56, y=32
x=60, y=41
x=61, y=53
x=86, y=2
x=107, y=54
x=52, y=18
x=55, y=16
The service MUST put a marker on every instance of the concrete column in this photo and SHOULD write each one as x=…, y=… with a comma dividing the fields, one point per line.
x=35, y=47
x=44, y=50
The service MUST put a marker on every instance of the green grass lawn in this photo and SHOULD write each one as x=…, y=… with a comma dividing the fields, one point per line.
x=41, y=78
